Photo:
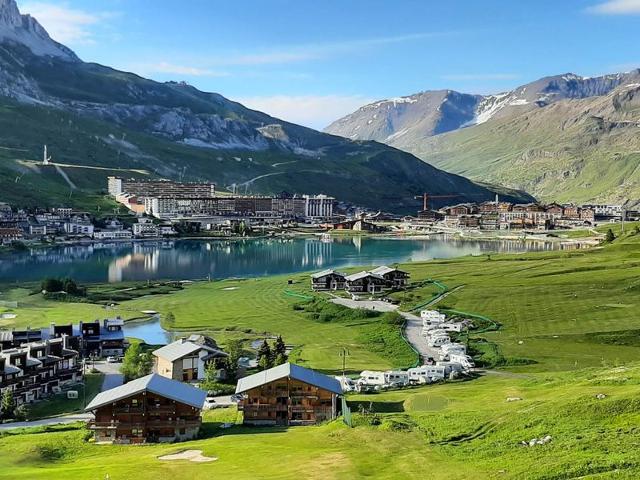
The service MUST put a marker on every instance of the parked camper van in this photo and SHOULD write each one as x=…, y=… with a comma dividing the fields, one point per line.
x=432, y=316
x=438, y=341
x=457, y=348
x=369, y=377
x=426, y=374
x=396, y=378
x=450, y=367
x=465, y=360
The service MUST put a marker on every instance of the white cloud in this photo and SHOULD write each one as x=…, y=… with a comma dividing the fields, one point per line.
x=481, y=76
x=171, y=68
x=64, y=24
x=301, y=53
x=616, y=7
x=315, y=111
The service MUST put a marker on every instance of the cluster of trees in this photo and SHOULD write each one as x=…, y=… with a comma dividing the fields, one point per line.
x=610, y=236
x=211, y=383
x=67, y=285
x=9, y=409
x=270, y=357
x=136, y=363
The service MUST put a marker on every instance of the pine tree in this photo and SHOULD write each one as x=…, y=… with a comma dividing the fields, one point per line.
x=610, y=236
x=280, y=352
x=234, y=350
x=265, y=357
x=7, y=404
x=280, y=359
x=264, y=363
x=279, y=347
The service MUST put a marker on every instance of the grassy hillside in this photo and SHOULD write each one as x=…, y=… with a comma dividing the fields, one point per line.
x=563, y=310
x=451, y=431
x=574, y=150
x=98, y=121
x=366, y=173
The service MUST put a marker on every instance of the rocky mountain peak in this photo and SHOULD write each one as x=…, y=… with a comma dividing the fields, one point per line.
x=9, y=14
x=25, y=30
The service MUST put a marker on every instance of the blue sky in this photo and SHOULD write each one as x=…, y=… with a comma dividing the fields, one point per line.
x=313, y=61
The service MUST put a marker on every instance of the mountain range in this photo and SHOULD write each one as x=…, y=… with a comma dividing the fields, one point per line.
x=98, y=121
x=564, y=137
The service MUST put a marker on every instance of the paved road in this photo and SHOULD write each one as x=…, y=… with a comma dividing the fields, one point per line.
x=376, y=305
x=78, y=417
x=413, y=329
x=413, y=334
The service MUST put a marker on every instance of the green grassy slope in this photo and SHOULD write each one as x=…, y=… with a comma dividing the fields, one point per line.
x=95, y=116
x=366, y=173
x=452, y=431
x=578, y=150
x=564, y=310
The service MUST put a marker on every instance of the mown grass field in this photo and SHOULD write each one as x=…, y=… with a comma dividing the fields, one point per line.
x=553, y=308
x=463, y=430
x=61, y=405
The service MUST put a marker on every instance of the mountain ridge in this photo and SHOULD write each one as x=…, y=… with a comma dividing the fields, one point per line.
x=99, y=120
x=465, y=133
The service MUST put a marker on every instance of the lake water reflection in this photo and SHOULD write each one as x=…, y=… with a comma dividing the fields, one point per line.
x=195, y=259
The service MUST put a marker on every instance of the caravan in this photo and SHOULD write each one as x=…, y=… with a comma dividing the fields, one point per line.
x=369, y=377
x=426, y=374
x=454, y=348
x=465, y=360
x=396, y=378
x=438, y=340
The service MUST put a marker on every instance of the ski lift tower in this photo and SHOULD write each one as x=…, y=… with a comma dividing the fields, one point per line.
x=45, y=158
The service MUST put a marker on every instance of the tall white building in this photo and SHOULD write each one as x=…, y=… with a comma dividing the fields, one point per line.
x=318, y=206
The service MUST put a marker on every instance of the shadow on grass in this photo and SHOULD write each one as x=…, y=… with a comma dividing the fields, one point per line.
x=214, y=429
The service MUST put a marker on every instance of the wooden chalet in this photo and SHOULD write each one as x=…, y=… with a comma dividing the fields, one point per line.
x=149, y=409
x=288, y=395
x=328, y=280
x=394, y=277
x=365, y=282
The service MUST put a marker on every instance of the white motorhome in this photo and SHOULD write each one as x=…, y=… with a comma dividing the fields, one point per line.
x=438, y=341
x=450, y=367
x=433, y=333
x=432, y=315
x=369, y=377
x=451, y=327
x=457, y=348
x=347, y=384
x=396, y=378
x=426, y=374
x=465, y=360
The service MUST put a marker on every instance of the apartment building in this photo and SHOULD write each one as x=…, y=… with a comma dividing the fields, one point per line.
x=36, y=370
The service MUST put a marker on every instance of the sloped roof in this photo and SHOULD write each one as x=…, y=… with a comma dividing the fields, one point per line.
x=359, y=275
x=290, y=370
x=178, y=349
x=324, y=273
x=384, y=270
x=154, y=383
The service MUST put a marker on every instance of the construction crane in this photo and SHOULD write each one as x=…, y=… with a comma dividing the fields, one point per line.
x=425, y=197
